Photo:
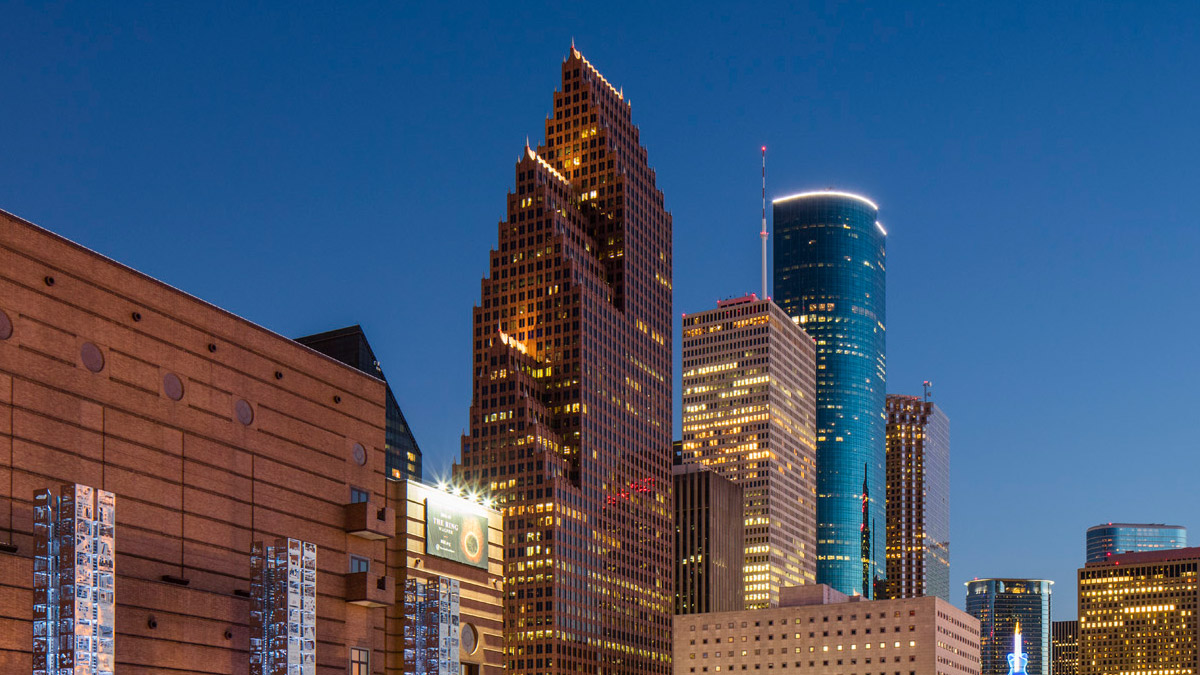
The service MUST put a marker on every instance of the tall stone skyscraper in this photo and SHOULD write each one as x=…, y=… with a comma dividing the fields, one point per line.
x=830, y=267
x=571, y=405
x=749, y=413
x=918, y=498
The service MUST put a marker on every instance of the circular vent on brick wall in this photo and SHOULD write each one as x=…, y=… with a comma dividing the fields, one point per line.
x=172, y=386
x=92, y=357
x=245, y=413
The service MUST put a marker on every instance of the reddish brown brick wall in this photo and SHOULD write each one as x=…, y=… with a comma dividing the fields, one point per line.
x=194, y=485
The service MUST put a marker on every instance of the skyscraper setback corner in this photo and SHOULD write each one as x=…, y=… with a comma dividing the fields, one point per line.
x=571, y=420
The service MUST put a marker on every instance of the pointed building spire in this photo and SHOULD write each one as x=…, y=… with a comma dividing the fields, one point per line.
x=865, y=528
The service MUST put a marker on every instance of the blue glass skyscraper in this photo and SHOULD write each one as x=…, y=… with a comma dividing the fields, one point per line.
x=829, y=277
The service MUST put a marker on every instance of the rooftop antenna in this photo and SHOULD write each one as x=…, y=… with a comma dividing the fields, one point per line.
x=927, y=385
x=763, y=234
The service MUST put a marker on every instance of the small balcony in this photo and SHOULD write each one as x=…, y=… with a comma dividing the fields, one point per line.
x=369, y=521
x=370, y=590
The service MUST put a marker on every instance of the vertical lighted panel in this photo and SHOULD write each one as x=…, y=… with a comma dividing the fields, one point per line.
x=829, y=275
x=431, y=630
x=283, y=615
x=74, y=584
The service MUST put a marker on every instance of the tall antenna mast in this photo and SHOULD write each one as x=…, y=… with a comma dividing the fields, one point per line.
x=763, y=234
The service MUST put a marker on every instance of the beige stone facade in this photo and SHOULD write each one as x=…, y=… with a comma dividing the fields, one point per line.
x=818, y=631
x=749, y=413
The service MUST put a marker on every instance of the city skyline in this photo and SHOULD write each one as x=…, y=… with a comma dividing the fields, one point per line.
x=197, y=188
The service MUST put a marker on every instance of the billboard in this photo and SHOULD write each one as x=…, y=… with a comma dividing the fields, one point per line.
x=455, y=532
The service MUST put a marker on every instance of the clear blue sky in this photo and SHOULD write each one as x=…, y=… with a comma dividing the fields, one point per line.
x=308, y=166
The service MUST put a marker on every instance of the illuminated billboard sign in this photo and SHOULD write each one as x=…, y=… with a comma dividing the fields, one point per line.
x=454, y=532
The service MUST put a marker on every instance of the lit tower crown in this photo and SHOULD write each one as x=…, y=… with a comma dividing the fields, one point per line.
x=1018, y=659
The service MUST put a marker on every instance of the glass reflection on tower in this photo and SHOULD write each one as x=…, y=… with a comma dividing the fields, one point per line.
x=1112, y=539
x=74, y=581
x=829, y=277
x=283, y=613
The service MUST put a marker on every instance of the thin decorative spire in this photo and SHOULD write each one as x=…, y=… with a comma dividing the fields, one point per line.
x=763, y=234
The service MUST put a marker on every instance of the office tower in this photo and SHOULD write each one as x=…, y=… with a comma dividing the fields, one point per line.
x=453, y=545
x=749, y=414
x=918, y=498
x=709, y=541
x=74, y=581
x=817, y=631
x=1137, y=613
x=1064, y=648
x=283, y=610
x=571, y=405
x=349, y=345
x=1111, y=539
x=211, y=433
x=829, y=276
x=1000, y=604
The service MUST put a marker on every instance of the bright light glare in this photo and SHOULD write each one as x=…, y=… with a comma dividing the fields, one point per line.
x=826, y=193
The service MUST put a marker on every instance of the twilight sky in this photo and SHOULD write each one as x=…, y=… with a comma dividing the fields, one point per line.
x=308, y=166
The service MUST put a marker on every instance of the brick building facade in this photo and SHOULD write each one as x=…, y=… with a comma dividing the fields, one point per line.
x=213, y=433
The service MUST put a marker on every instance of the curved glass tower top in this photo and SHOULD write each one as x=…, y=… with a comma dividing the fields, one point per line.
x=829, y=276
x=1114, y=538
